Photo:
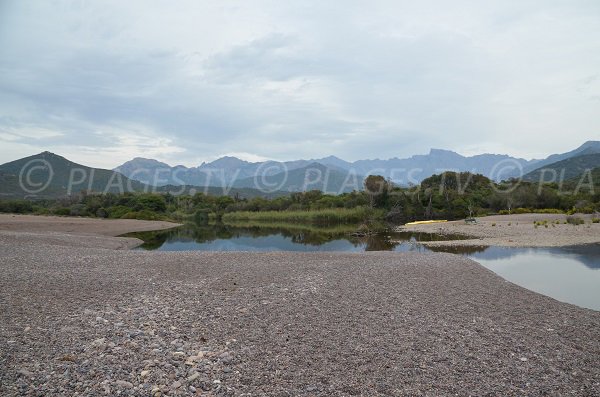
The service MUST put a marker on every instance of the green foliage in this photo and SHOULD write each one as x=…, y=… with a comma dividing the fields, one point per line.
x=118, y=211
x=101, y=213
x=575, y=220
x=16, y=206
x=61, y=211
x=326, y=216
x=201, y=216
x=449, y=195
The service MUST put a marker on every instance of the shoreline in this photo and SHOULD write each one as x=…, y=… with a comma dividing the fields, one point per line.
x=78, y=231
x=513, y=231
x=78, y=318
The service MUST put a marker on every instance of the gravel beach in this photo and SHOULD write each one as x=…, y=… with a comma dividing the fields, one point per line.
x=514, y=231
x=77, y=232
x=80, y=320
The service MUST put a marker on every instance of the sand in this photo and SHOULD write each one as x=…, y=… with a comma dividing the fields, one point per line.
x=514, y=231
x=79, y=319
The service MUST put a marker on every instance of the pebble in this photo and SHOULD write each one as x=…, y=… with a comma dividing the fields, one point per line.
x=26, y=373
x=124, y=384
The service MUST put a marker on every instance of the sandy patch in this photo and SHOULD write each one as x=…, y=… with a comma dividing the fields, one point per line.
x=515, y=231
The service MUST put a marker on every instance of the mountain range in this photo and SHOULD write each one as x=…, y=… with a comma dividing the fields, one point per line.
x=47, y=175
x=231, y=171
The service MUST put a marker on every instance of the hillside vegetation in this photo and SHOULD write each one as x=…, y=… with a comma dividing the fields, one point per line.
x=564, y=169
x=448, y=195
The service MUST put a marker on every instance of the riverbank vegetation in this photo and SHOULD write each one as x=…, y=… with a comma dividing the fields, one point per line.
x=448, y=195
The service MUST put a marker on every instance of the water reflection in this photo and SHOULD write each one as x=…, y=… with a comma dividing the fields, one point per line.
x=277, y=237
x=569, y=274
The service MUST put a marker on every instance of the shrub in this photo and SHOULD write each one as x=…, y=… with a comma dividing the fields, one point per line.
x=201, y=216
x=575, y=220
x=78, y=210
x=101, y=213
x=148, y=215
x=595, y=220
x=62, y=211
x=16, y=206
x=118, y=211
x=548, y=211
x=130, y=215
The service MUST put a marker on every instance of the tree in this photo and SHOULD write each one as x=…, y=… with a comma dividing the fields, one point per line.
x=377, y=188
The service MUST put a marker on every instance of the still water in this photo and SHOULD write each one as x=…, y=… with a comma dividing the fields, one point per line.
x=568, y=274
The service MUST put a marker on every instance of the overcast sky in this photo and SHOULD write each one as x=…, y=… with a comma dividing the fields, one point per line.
x=101, y=82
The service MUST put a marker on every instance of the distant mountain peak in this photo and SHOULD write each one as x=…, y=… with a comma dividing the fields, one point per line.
x=226, y=161
x=331, y=157
x=436, y=151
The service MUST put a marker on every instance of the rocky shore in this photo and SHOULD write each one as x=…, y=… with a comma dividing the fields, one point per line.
x=81, y=320
x=514, y=231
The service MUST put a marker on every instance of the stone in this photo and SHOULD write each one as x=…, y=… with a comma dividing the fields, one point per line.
x=26, y=373
x=144, y=373
x=226, y=357
x=124, y=384
x=156, y=392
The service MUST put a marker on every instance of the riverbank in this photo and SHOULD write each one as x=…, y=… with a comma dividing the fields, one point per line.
x=75, y=232
x=92, y=321
x=514, y=231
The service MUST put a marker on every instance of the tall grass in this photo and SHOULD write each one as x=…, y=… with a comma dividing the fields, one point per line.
x=326, y=216
x=337, y=228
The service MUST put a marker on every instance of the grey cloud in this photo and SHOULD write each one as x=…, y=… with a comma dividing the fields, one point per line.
x=286, y=81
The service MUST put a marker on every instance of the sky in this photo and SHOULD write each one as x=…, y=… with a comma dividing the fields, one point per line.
x=101, y=82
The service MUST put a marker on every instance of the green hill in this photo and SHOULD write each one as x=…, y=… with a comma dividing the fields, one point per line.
x=584, y=180
x=564, y=169
x=47, y=175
